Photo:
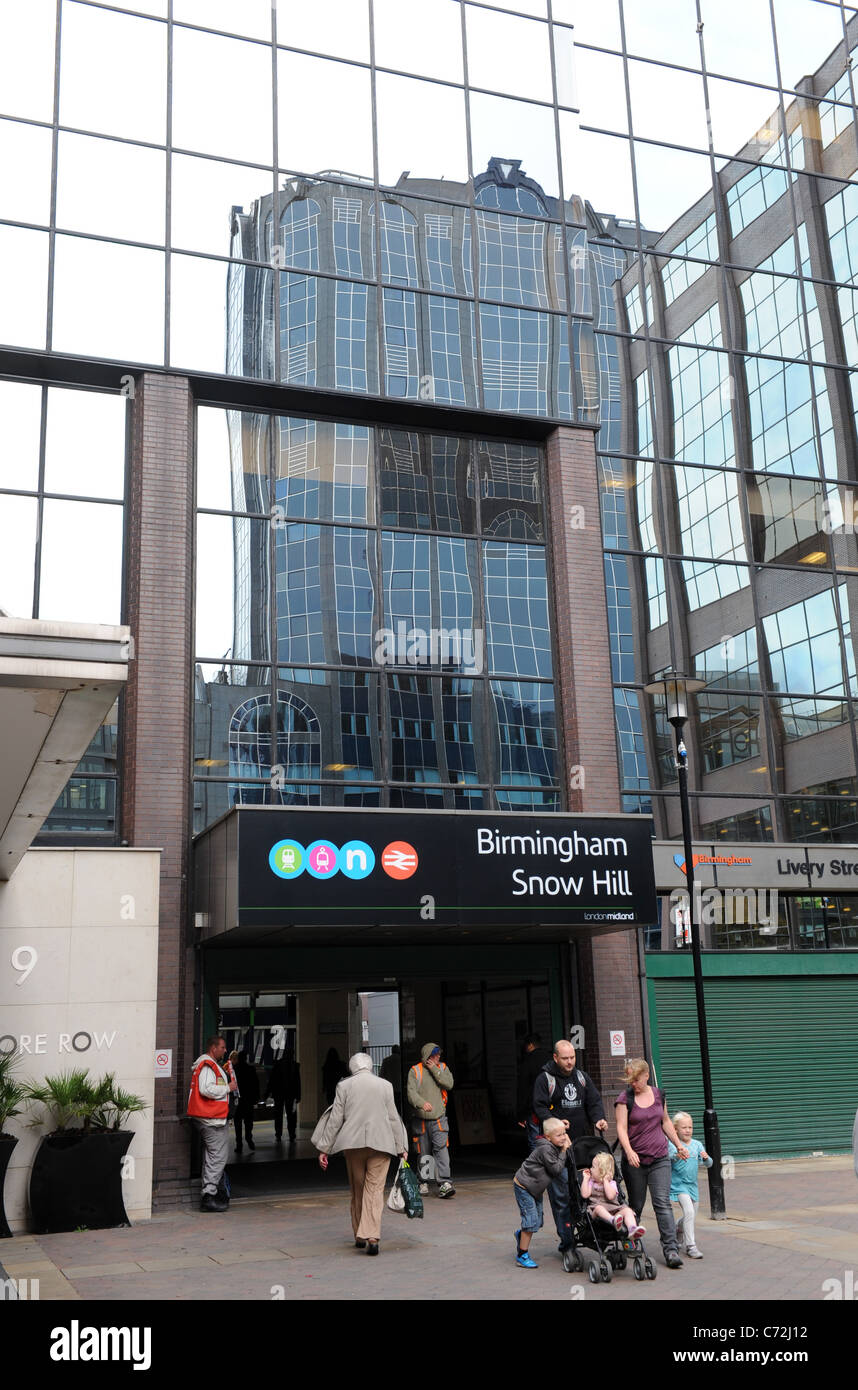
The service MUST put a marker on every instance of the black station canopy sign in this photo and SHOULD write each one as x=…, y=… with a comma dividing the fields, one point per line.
x=297, y=867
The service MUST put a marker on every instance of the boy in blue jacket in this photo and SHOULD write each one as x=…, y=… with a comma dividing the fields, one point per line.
x=683, y=1180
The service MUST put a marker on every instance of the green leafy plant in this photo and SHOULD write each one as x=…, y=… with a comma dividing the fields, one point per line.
x=95, y=1104
x=125, y=1103
x=13, y=1093
x=67, y=1097
x=113, y=1104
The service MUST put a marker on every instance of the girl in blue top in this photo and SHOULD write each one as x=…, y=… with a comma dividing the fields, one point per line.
x=683, y=1180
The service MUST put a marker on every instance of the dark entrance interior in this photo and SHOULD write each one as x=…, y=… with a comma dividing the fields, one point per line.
x=479, y=1022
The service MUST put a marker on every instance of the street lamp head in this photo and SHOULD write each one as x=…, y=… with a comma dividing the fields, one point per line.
x=675, y=688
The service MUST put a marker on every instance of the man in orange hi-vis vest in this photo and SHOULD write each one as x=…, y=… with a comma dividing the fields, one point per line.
x=428, y=1084
x=208, y=1107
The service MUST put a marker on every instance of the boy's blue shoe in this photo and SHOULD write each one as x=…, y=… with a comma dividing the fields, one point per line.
x=517, y=1235
x=525, y=1262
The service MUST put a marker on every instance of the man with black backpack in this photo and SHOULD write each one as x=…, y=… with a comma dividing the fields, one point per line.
x=562, y=1091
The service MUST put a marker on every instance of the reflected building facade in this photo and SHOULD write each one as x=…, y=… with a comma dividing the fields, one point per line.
x=458, y=547
x=727, y=506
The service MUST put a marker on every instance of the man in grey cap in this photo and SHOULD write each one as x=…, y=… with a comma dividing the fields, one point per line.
x=429, y=1081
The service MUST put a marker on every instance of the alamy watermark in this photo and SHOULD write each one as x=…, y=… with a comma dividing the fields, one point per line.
x=403, y=645
x=754, y=907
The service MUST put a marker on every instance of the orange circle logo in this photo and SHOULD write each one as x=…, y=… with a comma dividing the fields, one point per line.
x=399, y=859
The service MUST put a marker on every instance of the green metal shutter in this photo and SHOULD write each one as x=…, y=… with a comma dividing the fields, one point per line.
x=783, y=1060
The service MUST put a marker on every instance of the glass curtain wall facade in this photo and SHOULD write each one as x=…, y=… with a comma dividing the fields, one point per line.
x=612, y=217
x=728, y=501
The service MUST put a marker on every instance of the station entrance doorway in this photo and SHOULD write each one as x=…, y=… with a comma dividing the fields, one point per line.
x=307, y=1028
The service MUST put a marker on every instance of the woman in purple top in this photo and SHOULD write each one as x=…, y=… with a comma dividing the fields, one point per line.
x=643, y=1130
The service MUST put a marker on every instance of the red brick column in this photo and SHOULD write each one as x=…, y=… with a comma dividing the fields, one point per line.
x=607, y=964
x=156, y=752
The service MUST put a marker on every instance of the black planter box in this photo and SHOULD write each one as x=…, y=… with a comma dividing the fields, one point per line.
x=76, y=1180
x=7, y=1144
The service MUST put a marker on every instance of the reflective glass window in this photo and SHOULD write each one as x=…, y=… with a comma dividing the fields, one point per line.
x=836, y=113
x=25, y=172
x=667, y=104
x=251, y=17
x=791, y=425
x=515, y=351
x=108, y=300
x=100, y=92
x=518, y=638
x=85, y=443
x=232, y=588
x=425, y=38
x=237, y=128
x=309, y=141
x=526, y=731
x=512, y=258
x=18, y=525
x=208, y=297
x=325, y=594
x=204, y=193
x=20, y=425
x=508, y=54
x=421, y=127
x=112, y=188
x=232, y=721
x=24, y=302
x=631, y=743
x=27, y=45
x=516, y=130
x=664, y=29
x=677, y=275
x=764, y=184
x=510, y=491
x=804, y=646
x=336, y=27
x=426, y=481
x=83, y=584
x=324, y=471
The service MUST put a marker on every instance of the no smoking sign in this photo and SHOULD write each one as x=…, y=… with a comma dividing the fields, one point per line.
x=164, y=1061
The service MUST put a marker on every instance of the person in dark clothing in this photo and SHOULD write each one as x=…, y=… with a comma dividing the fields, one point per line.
x=334, y=1070
x=562, y=1091
x=391, y=1070
x=248, y=1098
x=533, y=1058
x=284, y=1087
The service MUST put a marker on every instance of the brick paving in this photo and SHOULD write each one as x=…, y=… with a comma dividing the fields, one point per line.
x=791, y=1226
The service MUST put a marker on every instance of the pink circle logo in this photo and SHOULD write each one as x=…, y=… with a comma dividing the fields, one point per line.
x=323, y=859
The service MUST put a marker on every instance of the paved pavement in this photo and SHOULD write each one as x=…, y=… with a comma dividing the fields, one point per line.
x=792, y=1226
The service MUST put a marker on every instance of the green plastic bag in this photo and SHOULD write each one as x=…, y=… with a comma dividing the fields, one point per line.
x=409, y=1186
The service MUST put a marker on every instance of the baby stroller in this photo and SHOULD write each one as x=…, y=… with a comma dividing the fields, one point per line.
x=614, y=1249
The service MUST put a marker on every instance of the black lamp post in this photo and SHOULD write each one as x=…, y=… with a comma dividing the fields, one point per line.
x=675, y=688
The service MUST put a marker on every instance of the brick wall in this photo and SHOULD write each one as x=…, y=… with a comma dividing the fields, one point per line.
x=607, y=965
x=155, y=800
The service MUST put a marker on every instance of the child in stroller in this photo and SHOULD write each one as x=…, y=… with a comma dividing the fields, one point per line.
x=601, y=1193
x=614, y=1249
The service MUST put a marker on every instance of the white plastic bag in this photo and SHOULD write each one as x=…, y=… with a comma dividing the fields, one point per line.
x=396, y=1201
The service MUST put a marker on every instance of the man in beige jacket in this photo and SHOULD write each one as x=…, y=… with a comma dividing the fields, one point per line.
x=363, y=1123
x=428, y=1084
